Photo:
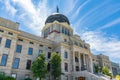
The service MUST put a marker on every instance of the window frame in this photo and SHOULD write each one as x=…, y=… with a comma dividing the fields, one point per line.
x=65, y=54
x=28, y=67
x=30, y=51
x=49, y=55
x=66, y=67
x=20, y=47
x=5, y=60
x=0, y=40
x=8, y=43
x=17, y=63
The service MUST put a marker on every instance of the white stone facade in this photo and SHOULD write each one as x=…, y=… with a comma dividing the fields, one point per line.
x=78, y=52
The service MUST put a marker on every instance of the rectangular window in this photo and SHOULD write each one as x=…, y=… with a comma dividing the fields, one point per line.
x=30, y=51
x=66, y=67
x=65, y=55
x=8, y=43
x=0, y=40
x=4, y=60
x=28, y=65
x=48, y=67
x=77, y=68
x=40, y=51
x=16, y=63
x=76, y=59
x=18, y=48
x=49, y=55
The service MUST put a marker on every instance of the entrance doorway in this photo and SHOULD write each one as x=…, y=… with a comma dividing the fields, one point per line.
x=81, y=78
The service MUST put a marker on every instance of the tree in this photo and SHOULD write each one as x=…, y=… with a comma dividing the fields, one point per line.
x=105, y=71
x=56, y=65
x=39, y=67
x=96, y=68
x=27, y=79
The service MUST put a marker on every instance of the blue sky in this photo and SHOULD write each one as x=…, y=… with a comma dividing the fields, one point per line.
x=96, y=21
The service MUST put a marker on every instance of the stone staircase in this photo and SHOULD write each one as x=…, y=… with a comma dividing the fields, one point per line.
x=91, y=76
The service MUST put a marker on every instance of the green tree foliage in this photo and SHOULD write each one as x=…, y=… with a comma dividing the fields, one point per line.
x=56, y=65
x=97, y=68
x=105, y=71
x=39, y=67
x=4, y=77
x=27, y=79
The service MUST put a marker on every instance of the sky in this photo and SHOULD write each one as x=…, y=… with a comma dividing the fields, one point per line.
x=96, y=21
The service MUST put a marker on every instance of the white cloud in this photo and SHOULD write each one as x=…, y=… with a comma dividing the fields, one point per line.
x=109, y=46
x=116, y=21
x=70, y=6
x=33, y=16
x=92, y=11
x=78, y=10
x=10, y=9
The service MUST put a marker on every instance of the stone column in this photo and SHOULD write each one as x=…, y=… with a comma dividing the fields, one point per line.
x=91, y=64
x=73, y=61
x=84, y=60
x=79, y=61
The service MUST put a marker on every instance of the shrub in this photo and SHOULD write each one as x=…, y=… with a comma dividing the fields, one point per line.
x=27, y=79
x=9, y=78
x=3, y=77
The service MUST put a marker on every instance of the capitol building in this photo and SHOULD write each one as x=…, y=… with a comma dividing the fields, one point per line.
x=18, y=49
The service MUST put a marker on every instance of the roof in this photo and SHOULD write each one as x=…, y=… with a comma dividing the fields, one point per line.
x=57, y=17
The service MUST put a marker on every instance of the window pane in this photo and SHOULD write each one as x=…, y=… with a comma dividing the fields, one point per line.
x=0, y=40
x=19, y=48
x=30, y=51
x=65, y=55
x=48, y=67
x=49, y=55
x=77, y=68
x=40, y=51
x=28, y=65
x=8, y=43
x=4, y=59
x=16, y=63
x=66, y=67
